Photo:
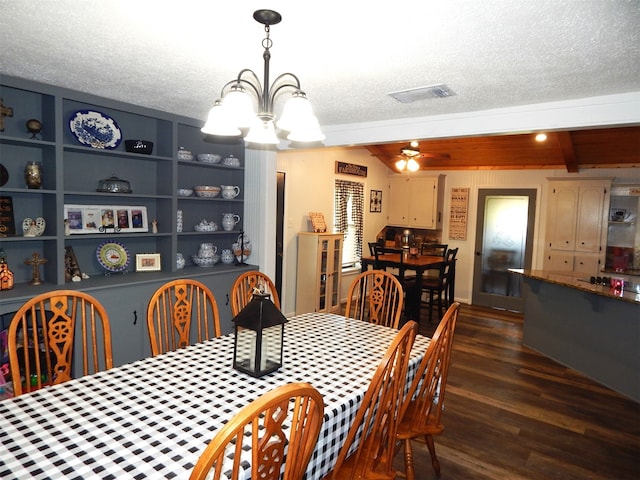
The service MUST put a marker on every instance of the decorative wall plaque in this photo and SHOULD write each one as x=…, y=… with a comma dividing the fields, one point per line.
x=7, y=221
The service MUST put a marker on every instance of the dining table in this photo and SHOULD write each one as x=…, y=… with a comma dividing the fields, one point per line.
x=154, y=417
x=418, y=263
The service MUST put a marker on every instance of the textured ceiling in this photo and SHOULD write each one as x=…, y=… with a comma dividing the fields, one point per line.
x=175, y=56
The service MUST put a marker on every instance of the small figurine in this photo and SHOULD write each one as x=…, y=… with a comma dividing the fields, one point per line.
x=154, y=226
x=67, y=228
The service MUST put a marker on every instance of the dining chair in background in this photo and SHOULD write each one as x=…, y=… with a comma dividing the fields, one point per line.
x=422, y=408
x=439, y=289
x=377, y=297
x=179, y=313
x=288, y=418
x=45, y=333
x=244, y=287
x=376, y=420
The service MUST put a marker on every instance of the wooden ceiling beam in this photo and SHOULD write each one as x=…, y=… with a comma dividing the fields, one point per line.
x=568, y=152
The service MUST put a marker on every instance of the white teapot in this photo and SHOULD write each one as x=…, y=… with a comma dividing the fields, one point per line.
x=230, y=191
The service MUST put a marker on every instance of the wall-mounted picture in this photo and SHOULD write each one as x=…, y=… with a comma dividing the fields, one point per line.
x=375, y=201
x=84, y=219
x=147, y=262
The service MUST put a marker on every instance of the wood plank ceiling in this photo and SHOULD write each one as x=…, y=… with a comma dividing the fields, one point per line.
x=571, y=150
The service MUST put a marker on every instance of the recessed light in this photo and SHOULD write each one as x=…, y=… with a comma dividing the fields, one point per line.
x=541, y=137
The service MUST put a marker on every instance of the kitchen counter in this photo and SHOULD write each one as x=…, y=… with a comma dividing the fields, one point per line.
x=630, y=292
x=593, y=329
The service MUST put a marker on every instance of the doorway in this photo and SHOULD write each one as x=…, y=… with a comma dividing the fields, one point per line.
x=280, y=179
x=504, y=240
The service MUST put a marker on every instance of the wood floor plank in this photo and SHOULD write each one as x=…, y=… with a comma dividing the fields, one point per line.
x=512, y=413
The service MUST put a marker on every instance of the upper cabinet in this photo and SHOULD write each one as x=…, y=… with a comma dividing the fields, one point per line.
x=416, y=201
x=576, y=217
x=623, y=239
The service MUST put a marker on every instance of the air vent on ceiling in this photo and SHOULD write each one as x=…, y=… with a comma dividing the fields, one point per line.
x=422, y=93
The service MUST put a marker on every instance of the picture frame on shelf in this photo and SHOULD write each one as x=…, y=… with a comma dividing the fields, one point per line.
x=87, y=219
x=148, y=262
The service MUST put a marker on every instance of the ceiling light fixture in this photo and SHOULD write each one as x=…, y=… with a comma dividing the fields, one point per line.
x=408, y=160
x=233, y=113
x=541, y=137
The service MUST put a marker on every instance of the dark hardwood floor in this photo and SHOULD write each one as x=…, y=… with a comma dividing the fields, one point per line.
x=512, y=413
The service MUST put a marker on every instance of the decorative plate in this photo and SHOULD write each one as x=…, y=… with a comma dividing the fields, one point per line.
x=95, y=129
x=113, y=256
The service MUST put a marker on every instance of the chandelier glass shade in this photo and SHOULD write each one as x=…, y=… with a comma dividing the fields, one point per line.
x=408, y=160
x=234, y=113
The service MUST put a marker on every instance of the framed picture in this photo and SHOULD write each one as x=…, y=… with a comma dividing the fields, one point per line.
x=83, y=219
x=375, y=201
x=147, y=262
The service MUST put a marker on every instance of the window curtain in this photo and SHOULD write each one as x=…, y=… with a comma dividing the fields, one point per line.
x=343, y=190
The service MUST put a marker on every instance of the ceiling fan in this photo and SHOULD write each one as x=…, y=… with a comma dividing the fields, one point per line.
x=410, y=154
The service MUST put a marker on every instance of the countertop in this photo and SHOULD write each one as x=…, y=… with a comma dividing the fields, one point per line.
x=630, y=293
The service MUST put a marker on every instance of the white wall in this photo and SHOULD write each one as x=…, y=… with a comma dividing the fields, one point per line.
x=309, y=187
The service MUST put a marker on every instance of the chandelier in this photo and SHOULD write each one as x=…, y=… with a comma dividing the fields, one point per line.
x=408, y=159
x=233, y=114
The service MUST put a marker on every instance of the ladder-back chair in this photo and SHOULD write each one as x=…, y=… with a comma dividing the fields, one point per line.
x=179, y=313
x=422, y=410
x=49, y=332
x=377, y=418
x=244, y=287
x=377, y=297
x=288, y=418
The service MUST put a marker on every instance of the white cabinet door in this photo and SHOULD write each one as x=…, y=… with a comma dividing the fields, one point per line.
x=587, y=264
x=563, y=207
x=399, y=200
x=558, y=262
x=589, y=224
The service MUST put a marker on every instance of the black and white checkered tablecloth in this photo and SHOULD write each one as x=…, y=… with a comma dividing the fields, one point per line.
x=154, y=417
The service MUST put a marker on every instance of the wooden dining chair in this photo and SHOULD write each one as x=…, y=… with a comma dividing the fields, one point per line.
x=284, y=425
x=377, y=418
x=244, y=286
x=179, y=313
x=46, y=333
x=438, y=289
x=375, y=296
x=422, y=408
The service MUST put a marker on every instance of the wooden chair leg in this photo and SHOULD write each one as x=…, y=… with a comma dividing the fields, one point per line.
x=408, y=460
x=432, y=451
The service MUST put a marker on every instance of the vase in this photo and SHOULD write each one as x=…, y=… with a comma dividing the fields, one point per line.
x=180, y=261
x=229, y=221
x=227, y=256
x=33, y=175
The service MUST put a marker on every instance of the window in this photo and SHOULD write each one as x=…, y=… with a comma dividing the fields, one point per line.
x=349, y=208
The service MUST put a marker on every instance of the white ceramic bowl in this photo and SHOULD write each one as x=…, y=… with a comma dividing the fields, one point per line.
x=185, y=192
x=209, y=227
x=208, y=191
x=209, y=157
x=205, y=261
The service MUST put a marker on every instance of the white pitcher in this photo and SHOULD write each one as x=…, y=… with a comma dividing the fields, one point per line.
x=229, y=221
x=207, y=250
x=230, y=191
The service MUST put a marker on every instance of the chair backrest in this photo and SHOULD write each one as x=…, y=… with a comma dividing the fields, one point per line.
x=375, y=296
x=424, y=401
x=46, y=333
x=437, y=249
x=296, y=405
x=377, y=418
x=244, y=286
x=179, y=313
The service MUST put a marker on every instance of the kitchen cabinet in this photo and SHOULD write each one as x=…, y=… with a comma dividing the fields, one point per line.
x=623, y=235
x=416, y=201
x=71, y=172
x=575, y=236
x=319, y=272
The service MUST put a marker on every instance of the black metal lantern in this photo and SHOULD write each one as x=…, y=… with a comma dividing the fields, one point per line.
x=259, y=333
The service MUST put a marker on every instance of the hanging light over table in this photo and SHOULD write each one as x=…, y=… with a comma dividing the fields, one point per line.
x=233, y=113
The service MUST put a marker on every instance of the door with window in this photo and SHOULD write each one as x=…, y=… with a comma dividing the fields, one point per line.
x=504, y=240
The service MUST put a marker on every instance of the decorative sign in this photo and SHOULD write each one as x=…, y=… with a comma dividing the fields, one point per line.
x=375, y=201
x=351, y=169
x=459, y=213
x=317, y=222
x=7, y=221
